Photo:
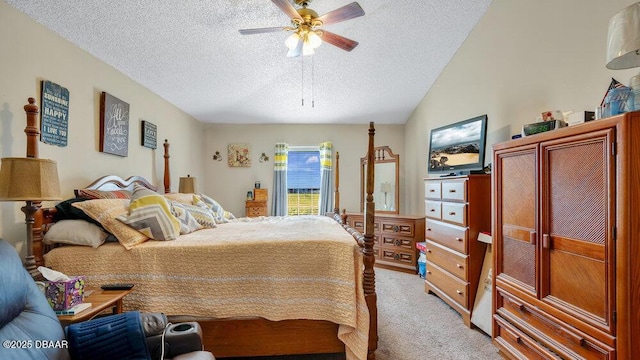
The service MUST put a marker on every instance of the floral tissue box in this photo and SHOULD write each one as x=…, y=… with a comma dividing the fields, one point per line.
x=65, y=294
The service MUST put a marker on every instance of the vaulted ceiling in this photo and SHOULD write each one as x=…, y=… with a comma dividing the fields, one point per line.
x=191, y=54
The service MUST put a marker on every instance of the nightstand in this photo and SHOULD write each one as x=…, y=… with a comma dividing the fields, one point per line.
x=257, y=206
x=100, y=300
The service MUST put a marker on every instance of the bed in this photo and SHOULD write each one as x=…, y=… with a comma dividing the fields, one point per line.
x=318, y=297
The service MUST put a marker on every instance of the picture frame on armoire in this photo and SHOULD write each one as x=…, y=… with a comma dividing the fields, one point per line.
x=114, y=125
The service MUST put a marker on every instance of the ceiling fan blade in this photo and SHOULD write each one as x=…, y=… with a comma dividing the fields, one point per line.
x=339, y=41
x=261, y=30
x=287, y=8
x=346, y=12
x=296, y=51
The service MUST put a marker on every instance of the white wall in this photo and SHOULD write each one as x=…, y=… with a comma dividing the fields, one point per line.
x=523, y=57
x=29, y=53
x=230, y=185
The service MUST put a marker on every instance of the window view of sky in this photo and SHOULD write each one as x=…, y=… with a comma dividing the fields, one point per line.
x=303, y=170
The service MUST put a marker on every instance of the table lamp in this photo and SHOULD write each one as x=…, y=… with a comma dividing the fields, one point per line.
x=187, y=185
x=31, y=180
x=385, y=188
x=623, y=44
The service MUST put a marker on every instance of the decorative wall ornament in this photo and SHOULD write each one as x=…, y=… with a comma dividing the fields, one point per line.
x=217, y=156
x=263, y=157
x=54, y=122
x=114, y=125
x=149, y=134
x=239, y=155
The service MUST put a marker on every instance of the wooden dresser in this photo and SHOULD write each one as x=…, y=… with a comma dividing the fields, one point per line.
x=257, y=206
x=457, y=209
x=566, y=249
x=395, y=238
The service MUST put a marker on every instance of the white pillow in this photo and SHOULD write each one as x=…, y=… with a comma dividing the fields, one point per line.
x=75, y=232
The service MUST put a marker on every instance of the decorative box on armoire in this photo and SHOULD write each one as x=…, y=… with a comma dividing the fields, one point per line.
x=457, y=209
x=257, y=206
x=566, y=242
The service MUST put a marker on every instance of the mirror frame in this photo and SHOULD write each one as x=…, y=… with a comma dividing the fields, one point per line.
x=382, y=155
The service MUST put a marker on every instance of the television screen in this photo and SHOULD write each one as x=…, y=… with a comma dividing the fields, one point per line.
x=458, y=148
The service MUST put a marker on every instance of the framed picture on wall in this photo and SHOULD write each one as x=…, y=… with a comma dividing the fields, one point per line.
x=149, y=134
x=239, y=155
x=114, y=125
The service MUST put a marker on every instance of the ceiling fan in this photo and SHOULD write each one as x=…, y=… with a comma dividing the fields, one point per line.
x=306, y=24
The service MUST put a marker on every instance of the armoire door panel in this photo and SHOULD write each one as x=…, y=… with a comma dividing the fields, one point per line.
x=517, y=229
x=577, y=219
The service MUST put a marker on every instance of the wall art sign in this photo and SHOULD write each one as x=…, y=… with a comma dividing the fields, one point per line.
x=114, y=125
x=149, y=134
x=54, y=118
x=239, y=155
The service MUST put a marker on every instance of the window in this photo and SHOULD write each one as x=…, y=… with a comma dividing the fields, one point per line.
x=303, y=180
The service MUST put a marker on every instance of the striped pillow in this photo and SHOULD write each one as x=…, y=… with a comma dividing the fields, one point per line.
x=218, y=211
x=202, y=214
x=188, y=223
x=150, y=214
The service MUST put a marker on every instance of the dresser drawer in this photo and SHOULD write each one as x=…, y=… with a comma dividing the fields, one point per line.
x=518, y=344
x=452, y=236
x=397, y=227
x=433, y=209
x=256, y=211
x=401, y=257
x=454, y=190
x=432, y=189
x=455, y=288
x=565, y=340
x=399, y=243
x=450, y=261
x=455, y=213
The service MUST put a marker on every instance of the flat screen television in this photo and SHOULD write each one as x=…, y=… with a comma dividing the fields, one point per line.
x=458, y=149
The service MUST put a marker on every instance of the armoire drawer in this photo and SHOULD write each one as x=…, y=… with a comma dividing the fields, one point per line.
x=518, y=343
x=399, y=228
x=454, y=190
x=565, y=340
x=400, y=243
x=450, y=261
x=452, y=236
x=455, y=288
x=455, y=213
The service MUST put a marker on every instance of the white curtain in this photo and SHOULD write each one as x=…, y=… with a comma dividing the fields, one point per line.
x=326, y=178
x=279, y=204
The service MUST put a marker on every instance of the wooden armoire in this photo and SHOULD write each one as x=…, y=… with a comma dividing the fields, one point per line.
x=567, y=242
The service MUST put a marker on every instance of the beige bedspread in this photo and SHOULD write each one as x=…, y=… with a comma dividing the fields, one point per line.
x=302, y=267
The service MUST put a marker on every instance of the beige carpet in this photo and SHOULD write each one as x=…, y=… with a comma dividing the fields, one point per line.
x=413, y=325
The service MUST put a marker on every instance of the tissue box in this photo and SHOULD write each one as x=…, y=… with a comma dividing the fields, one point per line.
x=65, y=294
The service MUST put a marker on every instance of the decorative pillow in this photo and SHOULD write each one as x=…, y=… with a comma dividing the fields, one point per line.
x=188, y=223
x=66, y=211
x=218, y=211
x=105, y=211
x=100, y=194
x=75, y=232
x=202, y=214
x=150, y=213
x=180, y=197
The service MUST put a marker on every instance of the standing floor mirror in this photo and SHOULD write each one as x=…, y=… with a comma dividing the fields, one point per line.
x=386, y=190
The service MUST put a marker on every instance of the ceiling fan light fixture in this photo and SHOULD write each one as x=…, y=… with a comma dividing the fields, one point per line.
x=313, y=39
x=307, y=50
x=292, y=41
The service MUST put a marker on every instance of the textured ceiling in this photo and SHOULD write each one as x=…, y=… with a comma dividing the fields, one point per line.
x=191, y=54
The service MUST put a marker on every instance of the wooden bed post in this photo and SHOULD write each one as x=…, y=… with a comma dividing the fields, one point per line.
x=167, y=177
x=369, y=277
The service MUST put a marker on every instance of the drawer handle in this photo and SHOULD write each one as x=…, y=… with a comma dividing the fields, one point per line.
x=459, y=266
x=517, y=304
x=428, y=229
x=397, y=243
x=432, y=210
x=431, y=190
x=428, y=272
x=458, y=239
x=396, y=257
x=459, y=292
x=452, y=190
x=429, y=250
x=396, y=228
x=575, y=337
x=452, y=213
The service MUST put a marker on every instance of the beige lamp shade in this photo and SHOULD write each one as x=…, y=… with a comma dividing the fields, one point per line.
x=24, y=179
x=385, y=187
x=187, y=185
x=623, y=41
